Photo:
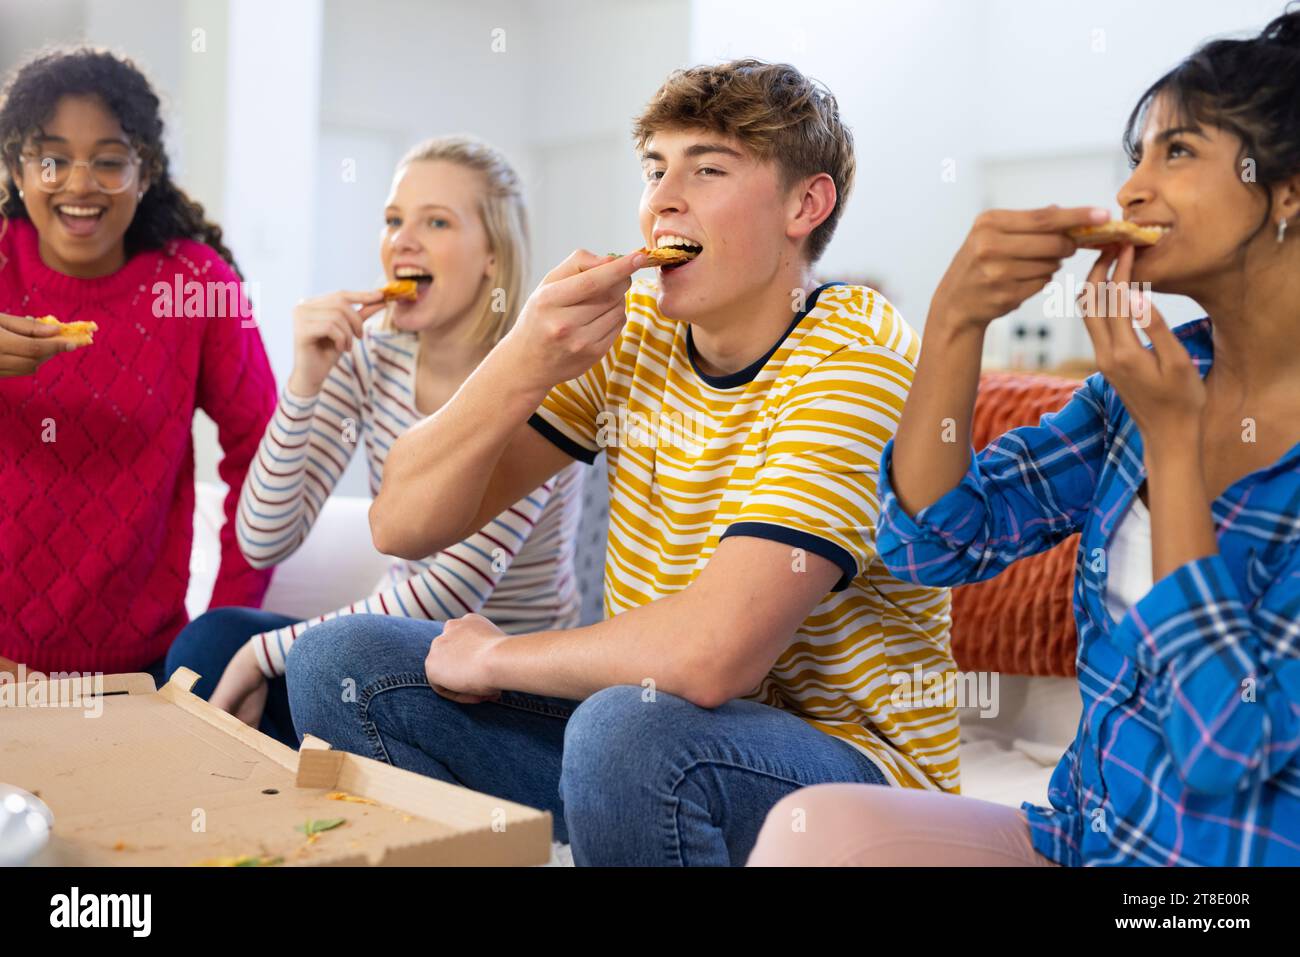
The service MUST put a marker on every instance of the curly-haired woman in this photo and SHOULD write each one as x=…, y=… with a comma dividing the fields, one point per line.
x=96, y=456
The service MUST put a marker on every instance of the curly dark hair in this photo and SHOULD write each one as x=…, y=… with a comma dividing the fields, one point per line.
x=1250, y=88
x=31, y=96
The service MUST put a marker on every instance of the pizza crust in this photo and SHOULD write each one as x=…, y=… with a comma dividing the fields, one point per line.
x=1117, y=231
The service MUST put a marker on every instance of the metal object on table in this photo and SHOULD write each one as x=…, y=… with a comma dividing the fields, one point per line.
x=25, y=824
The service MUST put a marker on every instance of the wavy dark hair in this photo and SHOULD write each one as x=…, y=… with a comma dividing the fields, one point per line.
x=1250, y=88
x=31, y=96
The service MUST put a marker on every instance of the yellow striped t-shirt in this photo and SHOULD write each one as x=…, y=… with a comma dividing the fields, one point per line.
x=787, y=449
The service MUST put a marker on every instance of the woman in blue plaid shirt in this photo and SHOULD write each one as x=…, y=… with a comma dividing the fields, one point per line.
x=1186, y=751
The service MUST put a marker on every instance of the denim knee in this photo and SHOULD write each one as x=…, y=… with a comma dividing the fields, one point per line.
x=320, y=647
x=352, y=650
x=318, y=661
x=607, y=740
x=351, y=644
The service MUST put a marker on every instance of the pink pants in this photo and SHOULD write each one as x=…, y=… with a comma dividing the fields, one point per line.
x=866, y=825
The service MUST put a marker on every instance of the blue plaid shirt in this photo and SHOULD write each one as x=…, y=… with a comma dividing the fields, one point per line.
x=1186, y=747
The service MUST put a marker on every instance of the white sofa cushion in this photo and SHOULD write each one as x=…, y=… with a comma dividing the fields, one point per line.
x=1009, y=757
x=336, y=564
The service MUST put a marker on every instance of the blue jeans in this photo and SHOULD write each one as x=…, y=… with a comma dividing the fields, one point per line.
x=207, y=644
x=630, y=778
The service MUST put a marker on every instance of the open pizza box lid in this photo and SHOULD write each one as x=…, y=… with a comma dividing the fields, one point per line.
x=137, y=776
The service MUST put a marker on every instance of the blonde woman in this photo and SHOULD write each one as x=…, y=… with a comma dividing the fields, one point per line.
x=364, y=372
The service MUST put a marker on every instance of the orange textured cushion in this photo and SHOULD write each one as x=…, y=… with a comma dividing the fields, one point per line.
x=1022, y=621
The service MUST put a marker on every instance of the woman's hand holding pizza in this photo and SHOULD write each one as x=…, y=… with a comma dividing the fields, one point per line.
x=323, y=329
x=1007, y=257
x=25, y=345
x=1161, y=386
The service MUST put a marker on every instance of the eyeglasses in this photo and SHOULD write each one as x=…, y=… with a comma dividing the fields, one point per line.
x=111, y=172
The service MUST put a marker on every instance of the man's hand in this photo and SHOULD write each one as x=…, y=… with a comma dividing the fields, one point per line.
x=456, y=665
x=242, y=689
x=712, y=641
x=571, y=320
x=449, y=474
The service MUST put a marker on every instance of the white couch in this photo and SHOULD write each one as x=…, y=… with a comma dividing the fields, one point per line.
x=1007, y=759
x=335, y=565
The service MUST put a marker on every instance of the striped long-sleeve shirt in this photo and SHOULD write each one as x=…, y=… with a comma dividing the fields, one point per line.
x=1186, y=751
x=517, y=570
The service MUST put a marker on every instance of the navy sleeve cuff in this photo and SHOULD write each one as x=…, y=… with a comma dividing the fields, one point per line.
x=797, y=539
x=561, y=441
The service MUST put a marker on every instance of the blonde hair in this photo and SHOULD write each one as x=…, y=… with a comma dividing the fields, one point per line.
x=505, y=219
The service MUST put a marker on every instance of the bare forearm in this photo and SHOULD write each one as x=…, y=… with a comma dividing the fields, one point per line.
x=436, y=473
x=1182, y=526
x=932, y=445
x=645, y=646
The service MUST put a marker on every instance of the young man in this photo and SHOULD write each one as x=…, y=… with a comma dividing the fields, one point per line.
x=751, y=631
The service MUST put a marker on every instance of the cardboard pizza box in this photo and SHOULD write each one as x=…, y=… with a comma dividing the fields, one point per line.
x=138, y=776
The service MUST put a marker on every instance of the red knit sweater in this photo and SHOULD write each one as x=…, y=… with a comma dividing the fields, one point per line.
x=96, y=525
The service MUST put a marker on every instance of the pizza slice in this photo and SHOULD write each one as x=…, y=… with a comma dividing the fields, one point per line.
x=1117, y=231
x=670, y=255
x=675, y=251
x=82, y=333
x=407, y=289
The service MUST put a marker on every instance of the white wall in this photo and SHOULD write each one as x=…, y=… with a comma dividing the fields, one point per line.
x=921, y=82
x=602, y=62
x=1073, y=70
x=900, y=72
x=394, y=72
x=269, y=157
x=555, y=88
x=22, y=31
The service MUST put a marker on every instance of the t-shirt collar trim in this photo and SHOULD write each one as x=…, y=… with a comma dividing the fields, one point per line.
x=751, y=371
